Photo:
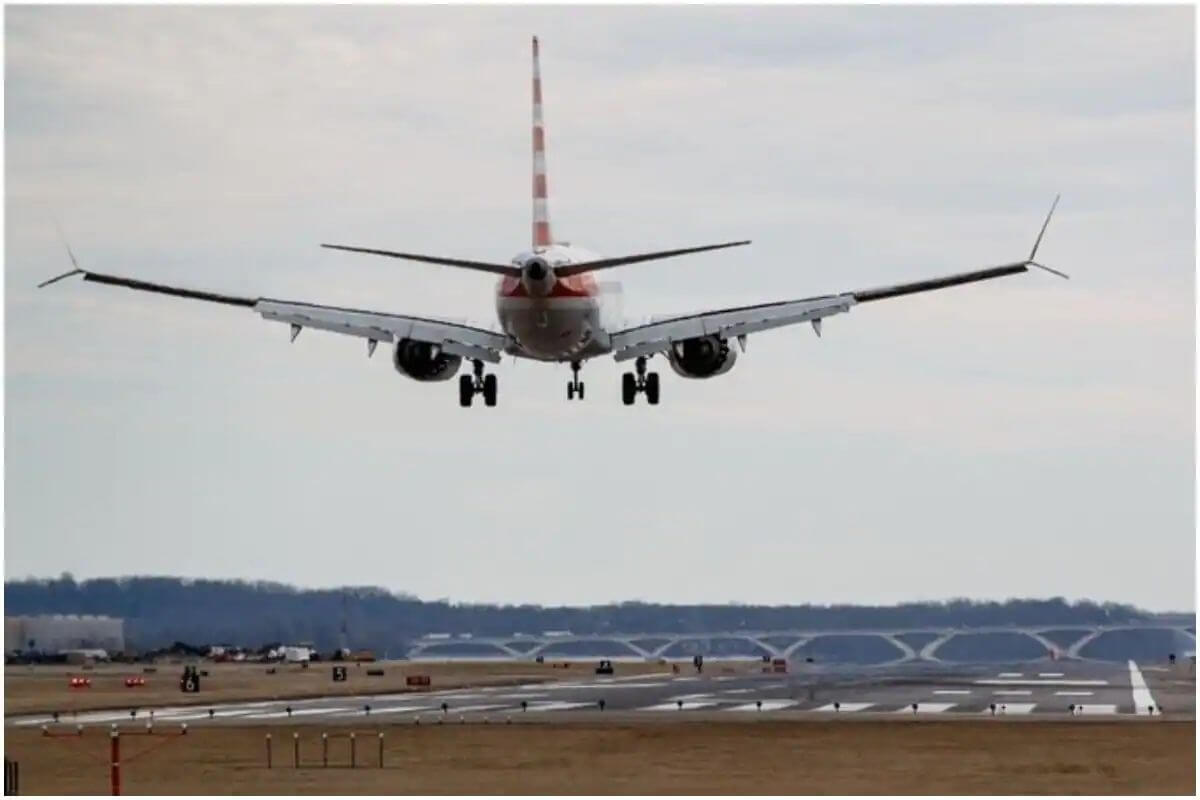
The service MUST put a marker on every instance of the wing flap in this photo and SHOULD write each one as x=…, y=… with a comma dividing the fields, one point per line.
x=658, y=336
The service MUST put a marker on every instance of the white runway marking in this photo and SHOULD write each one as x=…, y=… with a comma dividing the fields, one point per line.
x=303, y=712
x=1039, y=682
x=1013, y=692
x=223, y=713
x=951, y=691
x=927, y=708
x=1011, y=674
x=1050, y=674
x=1096, y=708
x=846, y=707
x=1013, y=708
x=402, y=709
x=1073, y=694
x=468, y=709
x=1142, y=699
x=558, y=706
x=767, y=705
x=687, y=706
x=102, y=716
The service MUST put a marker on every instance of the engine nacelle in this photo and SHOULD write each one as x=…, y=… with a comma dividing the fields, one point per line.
x=423, y=361
x=702, y=357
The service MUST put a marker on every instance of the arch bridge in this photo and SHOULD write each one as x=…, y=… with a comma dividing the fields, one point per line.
x=932, y=644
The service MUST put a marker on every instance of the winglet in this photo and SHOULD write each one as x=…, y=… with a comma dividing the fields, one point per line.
x=70, y=255
x=58, y=278
x=1037, y=242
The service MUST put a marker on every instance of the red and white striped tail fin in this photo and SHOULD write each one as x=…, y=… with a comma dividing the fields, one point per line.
x=541, y=212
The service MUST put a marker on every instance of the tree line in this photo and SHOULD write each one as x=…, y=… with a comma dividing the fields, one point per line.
x=161, y=610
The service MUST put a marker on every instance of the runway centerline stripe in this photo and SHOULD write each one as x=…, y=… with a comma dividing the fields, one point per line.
x=1074, y=694
x=1050, y=674
x=951, y=691
x=1011, y=674
x=1013, y=691
x=1142, y=699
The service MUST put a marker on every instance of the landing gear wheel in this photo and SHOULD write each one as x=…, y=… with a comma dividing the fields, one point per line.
x=489, y=390
x=629, y=388
x=575, y=386
x=651, y=388
x=466, y=390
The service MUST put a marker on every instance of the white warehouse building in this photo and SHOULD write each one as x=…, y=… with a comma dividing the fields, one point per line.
x=51, y=633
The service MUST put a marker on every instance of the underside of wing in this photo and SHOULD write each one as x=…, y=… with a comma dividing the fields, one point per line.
x=374, y=326
x=726, y=323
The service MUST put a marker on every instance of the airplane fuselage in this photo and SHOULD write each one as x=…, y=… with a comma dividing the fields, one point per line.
x=552, y=318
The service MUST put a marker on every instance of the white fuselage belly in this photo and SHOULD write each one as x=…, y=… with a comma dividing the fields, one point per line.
x=553, y=328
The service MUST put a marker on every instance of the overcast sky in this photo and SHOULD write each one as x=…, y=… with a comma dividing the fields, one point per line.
x=1025, y=437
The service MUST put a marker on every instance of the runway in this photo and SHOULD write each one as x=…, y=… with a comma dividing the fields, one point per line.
x=1038, y=688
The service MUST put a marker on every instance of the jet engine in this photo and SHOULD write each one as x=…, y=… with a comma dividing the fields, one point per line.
x=423, y=361
x=701, y=357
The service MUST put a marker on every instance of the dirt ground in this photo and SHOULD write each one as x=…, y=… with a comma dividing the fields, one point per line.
x=709, y=757
x=44, y=689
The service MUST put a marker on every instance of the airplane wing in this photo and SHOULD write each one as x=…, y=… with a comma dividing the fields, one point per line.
x=659, y=335
x=727, y=323
x=373, y=326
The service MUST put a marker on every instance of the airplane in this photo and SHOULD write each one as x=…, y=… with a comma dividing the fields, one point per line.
x=551, y=309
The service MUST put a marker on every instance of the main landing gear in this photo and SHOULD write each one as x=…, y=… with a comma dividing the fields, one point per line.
x=641, y=382
x=575, y=386
x=477, y=383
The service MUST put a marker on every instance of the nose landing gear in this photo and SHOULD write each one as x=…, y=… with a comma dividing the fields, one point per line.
x=643, y=381
x=477, y=383
x=575, y=386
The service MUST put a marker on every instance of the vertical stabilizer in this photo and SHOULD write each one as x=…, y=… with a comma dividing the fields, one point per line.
x=541, y=213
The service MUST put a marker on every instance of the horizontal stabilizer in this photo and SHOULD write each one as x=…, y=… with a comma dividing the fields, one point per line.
x=605, y=263
x=482, y=266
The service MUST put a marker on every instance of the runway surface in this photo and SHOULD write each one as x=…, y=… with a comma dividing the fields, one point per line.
x=1044, y=687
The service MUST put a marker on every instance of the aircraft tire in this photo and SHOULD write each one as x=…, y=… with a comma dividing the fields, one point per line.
x=652, y=388
x=466, y=390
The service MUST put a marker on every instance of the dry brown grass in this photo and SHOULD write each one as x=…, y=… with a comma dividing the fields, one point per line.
x=44, y=689
x=704, y=757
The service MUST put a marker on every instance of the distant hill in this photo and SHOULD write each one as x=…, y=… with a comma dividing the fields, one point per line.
x=162, y=610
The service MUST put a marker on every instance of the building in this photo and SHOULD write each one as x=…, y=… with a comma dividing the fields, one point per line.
x=52, y=633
